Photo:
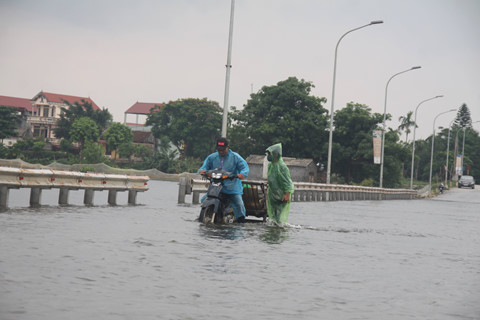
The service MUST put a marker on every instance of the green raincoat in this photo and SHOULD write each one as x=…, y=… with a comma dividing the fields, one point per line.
x=279, y=183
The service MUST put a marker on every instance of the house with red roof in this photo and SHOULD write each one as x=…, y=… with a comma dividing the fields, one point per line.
x=141, y=110
x=46, y=110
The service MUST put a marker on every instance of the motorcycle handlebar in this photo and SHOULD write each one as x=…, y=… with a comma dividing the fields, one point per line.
x=226, y=175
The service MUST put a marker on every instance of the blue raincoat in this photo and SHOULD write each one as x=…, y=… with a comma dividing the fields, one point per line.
x=233, y=163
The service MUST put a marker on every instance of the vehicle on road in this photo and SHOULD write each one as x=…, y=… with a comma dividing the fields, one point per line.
x=466, y=181
x=216, y=207
x=441, y=187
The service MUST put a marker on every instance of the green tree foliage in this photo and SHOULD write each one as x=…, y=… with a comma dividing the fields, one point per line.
x=83, y=130
x=142, y=151
x=192, y=125
x=463, y=118
x=117, y=134
x=406, y=123
x=102, y=118
x=9, y=121
x=92, y=153
x=395, y=155
x=283, y=113
x=126, y=149
x=33, y=151
x=472, y=153
x=352, y=150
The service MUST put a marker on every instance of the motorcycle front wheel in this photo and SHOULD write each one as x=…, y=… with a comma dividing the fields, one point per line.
x=207, y=215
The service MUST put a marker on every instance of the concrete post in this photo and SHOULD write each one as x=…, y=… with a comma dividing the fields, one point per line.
x=182, y=187
x=88, y=197
x=196, y=197
x=112, y=197
x=63, y=196
x=132, y=196
x=188, y=186
x=4, y=191
x=35, y=195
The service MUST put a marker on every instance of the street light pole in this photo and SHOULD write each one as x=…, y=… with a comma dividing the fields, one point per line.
x=431, y=152
x=448, y=150
x=330, y=136
x=456, y=153
x=384, y=118
x=413, y=143
x=227, y=76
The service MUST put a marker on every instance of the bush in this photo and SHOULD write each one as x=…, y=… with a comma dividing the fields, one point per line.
x=367, y=183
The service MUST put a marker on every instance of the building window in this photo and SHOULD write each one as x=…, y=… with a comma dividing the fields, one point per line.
x=36, y=131
x=45, y=111
x=53, y=112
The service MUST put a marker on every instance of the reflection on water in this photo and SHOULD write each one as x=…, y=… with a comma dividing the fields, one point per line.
x=274, y=234
x=270, y=233
x=222, y=232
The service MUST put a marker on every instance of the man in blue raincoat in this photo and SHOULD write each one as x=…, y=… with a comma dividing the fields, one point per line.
x=232, y=162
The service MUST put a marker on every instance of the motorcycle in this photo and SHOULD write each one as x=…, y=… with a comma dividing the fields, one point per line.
x=441, y=187
x=216, y=206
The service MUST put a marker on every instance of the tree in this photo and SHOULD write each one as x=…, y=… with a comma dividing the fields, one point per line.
x=192, y=125
x=463, y=118
x=126, y=149
x=142, y=151
x=406, y=123
x=286, y=113
x=80, y=110
x=352, y=148
x=117, y=134
x=9, y=121
x=83, y=130
x=92, y=153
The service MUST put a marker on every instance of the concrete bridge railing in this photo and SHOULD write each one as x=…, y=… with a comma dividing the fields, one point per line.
x=305, y=191
x=39, y=179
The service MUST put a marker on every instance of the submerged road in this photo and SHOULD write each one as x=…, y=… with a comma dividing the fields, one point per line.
x=397, y=259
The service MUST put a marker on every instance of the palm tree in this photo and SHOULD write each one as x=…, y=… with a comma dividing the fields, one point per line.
x=406, y=123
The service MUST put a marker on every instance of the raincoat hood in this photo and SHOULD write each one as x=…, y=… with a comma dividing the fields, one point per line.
x=276, y=151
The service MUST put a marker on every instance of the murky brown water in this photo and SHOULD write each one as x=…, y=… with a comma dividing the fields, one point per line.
x=340, y=260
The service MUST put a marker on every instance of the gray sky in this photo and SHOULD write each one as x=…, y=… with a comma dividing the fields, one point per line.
x=119, y=52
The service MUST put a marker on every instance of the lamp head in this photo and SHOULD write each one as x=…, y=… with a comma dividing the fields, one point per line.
x=439, y=96
x=417, y=67
x=376, y=22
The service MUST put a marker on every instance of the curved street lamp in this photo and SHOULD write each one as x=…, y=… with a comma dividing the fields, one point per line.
x=384, y=118
x=330, y=136
x=431, y=152
x=413, y=143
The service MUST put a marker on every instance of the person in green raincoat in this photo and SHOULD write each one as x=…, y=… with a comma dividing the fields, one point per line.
x=280, y=185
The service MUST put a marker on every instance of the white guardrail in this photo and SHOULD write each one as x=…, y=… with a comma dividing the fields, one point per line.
x=305, y=191
x=38, y=179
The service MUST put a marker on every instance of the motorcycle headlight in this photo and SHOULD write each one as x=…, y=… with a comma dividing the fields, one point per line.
x=216, y=175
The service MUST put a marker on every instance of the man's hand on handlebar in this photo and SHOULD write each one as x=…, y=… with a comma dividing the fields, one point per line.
x=240, y=176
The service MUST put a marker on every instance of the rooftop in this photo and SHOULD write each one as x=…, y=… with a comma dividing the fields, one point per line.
x=60, y=98
x=142, y=107
x=20, y=103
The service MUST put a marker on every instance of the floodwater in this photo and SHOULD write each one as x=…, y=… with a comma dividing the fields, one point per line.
x=401, y=259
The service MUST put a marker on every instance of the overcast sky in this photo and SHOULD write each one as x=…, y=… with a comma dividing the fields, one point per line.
x=119, y=52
